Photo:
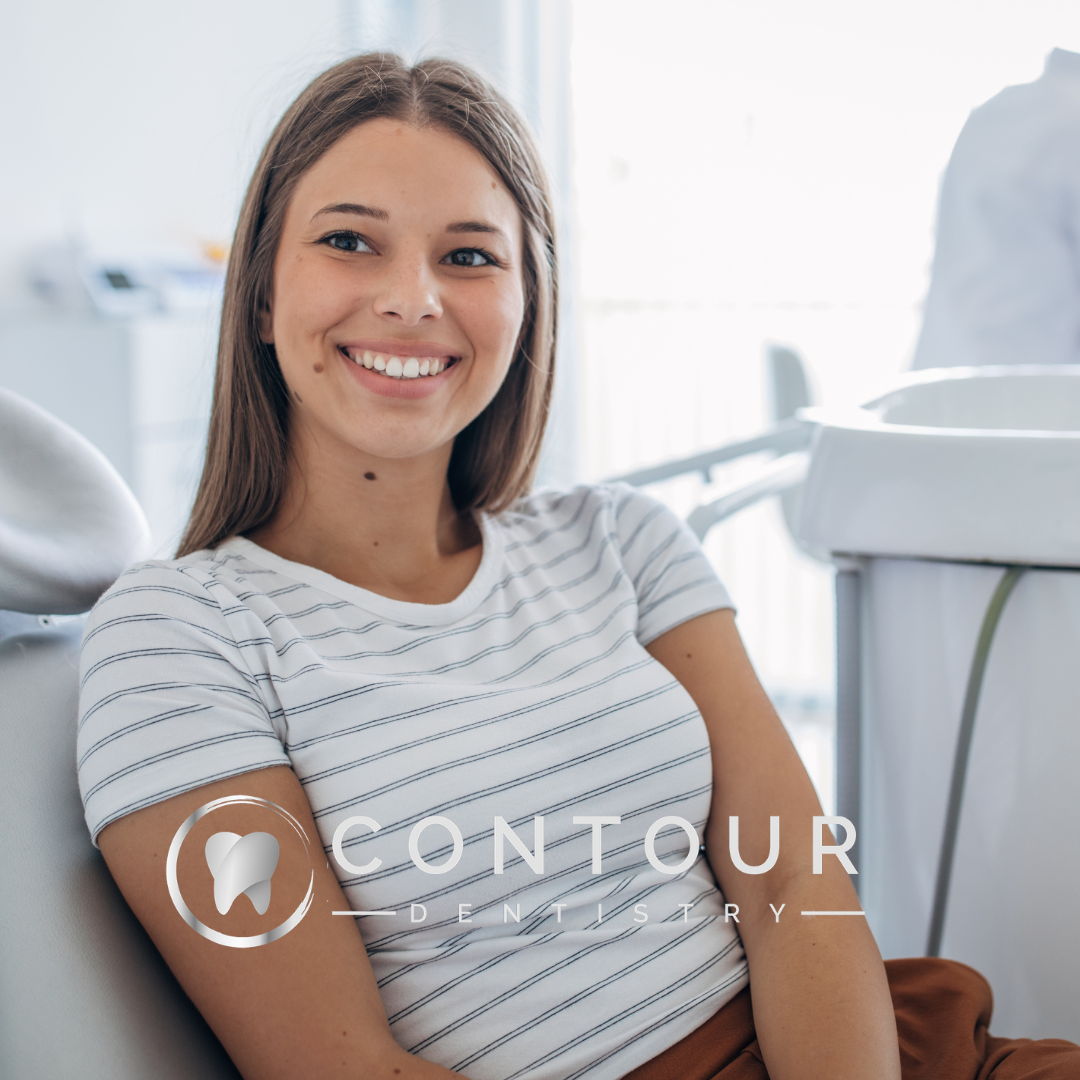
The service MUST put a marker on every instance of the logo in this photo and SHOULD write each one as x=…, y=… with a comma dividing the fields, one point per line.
x=240, y=866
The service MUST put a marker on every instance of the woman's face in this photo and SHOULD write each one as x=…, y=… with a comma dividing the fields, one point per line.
x=398, y=294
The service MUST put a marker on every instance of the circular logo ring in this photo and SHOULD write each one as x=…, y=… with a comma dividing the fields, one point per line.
x=233, y=941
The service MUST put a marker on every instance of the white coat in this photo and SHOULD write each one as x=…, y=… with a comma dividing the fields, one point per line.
x=1005, y=287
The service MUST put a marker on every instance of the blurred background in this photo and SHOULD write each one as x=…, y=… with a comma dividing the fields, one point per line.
x=728, y=176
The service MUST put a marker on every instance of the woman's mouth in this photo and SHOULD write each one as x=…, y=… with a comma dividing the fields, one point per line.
x=399, y=367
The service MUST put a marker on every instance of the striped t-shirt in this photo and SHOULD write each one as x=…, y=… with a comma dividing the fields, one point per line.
x=530, y=695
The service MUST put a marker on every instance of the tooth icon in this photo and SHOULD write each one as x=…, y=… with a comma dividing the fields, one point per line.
x=242, y=864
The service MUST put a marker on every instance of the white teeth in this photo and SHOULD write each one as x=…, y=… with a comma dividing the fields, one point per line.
x=398, y=367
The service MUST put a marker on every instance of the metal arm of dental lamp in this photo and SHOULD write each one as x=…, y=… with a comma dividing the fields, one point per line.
x=790, y=438
x=774, y=478
x=781, y=438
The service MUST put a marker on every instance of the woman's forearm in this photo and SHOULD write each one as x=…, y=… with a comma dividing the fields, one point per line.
x=822, y=1008
x=825, y=1010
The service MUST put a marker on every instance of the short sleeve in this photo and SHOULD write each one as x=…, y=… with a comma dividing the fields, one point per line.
x=672, y=578
x=166, y=700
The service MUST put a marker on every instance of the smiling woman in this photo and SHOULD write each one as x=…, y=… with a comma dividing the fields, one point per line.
x=393, y=334
x=496, y=225
x=372, y=626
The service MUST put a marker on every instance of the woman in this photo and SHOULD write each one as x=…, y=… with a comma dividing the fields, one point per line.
x=533, y=701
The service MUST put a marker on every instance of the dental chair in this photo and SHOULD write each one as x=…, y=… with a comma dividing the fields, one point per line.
x=83, y=991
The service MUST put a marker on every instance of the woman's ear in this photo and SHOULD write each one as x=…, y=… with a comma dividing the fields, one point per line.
x=266, y=326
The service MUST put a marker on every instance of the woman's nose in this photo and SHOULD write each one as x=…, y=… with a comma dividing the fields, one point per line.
x=409, y=292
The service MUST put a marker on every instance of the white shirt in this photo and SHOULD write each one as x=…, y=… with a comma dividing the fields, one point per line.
x=1005, y=287
x=529, y=695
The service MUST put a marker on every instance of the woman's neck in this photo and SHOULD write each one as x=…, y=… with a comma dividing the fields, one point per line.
x=386, y=525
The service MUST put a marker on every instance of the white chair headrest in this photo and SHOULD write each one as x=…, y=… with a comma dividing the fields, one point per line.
x=69, y=525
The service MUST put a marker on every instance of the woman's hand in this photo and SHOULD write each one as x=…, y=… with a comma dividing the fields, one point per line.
x=821, y=1001
x=305, y=1005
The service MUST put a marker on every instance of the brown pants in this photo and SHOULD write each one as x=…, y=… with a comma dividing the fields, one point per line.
x=942, y=1013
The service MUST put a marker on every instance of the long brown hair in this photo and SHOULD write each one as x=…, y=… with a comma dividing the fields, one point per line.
x=247, y=452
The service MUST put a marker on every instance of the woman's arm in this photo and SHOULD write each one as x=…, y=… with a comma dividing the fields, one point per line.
x=305, y=1005
x=821, y=1002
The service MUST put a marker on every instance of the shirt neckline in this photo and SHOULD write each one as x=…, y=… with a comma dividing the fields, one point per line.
x=401, y=611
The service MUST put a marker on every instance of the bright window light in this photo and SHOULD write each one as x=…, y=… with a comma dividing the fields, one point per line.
x=766, y=172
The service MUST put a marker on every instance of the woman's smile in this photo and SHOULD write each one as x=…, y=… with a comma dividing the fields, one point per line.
x=403, y=369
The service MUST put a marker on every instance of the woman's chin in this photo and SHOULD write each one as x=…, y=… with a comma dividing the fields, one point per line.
x=399, y=450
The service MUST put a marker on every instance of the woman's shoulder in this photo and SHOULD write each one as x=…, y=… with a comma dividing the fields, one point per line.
x=201, y=586
x=549, y=506
x=660, y=555
x=613, y=510
x=168, y=611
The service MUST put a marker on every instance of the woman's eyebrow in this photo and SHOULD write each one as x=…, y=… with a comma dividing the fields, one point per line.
x=353, y=208
x=475, y=226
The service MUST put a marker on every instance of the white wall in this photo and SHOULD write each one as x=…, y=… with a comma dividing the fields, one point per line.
x=137, y=122
x=130, y=124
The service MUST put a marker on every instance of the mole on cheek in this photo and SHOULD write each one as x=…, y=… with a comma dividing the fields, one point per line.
x=369, y=476
x=318, y=368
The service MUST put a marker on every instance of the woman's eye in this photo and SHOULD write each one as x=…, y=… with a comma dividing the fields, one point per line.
x=344, y=241
x=469, y=257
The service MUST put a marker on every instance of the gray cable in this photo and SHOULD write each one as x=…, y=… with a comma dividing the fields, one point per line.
x=963, y=749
